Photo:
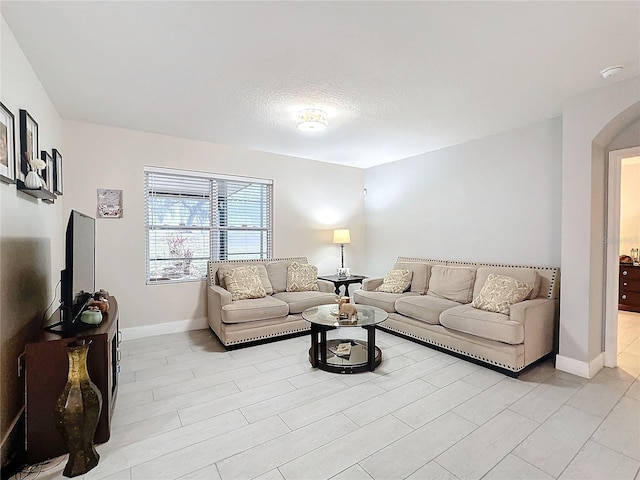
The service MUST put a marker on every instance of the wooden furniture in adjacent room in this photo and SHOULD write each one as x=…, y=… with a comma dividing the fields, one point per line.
x=46, y=368
x=629, y=294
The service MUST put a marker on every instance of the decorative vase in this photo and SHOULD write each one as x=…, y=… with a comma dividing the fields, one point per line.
x=32, y=180
x=78, y=411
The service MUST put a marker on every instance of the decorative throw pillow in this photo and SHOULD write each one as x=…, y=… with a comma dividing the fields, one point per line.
x=396, y=281
x=261, y=270
x=302, y=277
x=499, y=293
x=243, y=283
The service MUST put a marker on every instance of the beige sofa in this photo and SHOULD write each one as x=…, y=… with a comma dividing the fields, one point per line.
x=436, y=310
x=277, y=314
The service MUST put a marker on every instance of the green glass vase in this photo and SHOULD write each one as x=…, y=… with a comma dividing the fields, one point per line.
x=78, y=411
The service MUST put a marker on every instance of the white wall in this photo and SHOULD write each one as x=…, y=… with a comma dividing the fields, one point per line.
x=31, y=233
x=310, y=200
x=496, y=199
x=590, y=122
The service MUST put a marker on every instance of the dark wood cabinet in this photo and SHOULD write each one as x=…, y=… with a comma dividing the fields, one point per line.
x=46, y=369
x=629, y=295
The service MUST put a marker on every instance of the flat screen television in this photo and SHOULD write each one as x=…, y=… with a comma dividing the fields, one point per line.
x=78, y=276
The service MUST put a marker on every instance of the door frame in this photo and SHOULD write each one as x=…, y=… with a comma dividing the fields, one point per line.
x=612, y=257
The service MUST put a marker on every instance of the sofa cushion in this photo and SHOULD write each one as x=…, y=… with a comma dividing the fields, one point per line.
x=302, y=277
x=244, y=283
x=262, y=273
x=250, y=310
x=385, y=301
x=500, y=292
x=299, y=301
x=489, y=325
x=278, y=275
x=526, y=275
x=420, y=278
x=424, y=307
x=452, y=283
x=396, y=281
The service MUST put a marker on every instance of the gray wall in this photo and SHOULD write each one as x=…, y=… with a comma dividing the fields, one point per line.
x=496, y=199
x=591, y=122
x=31, y=236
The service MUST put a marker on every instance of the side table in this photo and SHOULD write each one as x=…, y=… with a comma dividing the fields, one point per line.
x=346, y=281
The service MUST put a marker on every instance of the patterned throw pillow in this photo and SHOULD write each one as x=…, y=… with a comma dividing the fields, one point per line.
x=243, y=283
x=499, y=293
x=396, y=281
x=302, y=277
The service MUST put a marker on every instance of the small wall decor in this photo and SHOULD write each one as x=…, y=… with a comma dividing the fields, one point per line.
x=57, y=172
x=7, y=146
x=28, y=141
x=47, y=172
x=109, y=203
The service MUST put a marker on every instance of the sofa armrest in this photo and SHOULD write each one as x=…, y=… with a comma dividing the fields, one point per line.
x=326, y=286
x=217, y=297
x=538, y=319
x=370, y=284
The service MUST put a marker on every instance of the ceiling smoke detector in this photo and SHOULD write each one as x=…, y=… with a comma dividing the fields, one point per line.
x=611, y=71
x=311, y=120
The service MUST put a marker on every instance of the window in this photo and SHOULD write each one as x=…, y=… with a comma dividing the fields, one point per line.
x=192, y=217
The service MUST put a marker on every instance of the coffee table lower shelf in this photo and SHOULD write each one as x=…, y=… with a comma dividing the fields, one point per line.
x=357, y=361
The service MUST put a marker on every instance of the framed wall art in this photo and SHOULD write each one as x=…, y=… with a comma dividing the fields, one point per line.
x=28, y=140
x=7, y=146
x=57, y=172
x=47, y=172
x=109, y=203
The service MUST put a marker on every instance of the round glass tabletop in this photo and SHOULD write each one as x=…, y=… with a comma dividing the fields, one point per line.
x=327, y=315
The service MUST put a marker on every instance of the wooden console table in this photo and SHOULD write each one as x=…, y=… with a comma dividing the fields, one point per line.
x=46, y=368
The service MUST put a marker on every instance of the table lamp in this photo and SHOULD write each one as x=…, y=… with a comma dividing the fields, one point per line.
x=341, y=236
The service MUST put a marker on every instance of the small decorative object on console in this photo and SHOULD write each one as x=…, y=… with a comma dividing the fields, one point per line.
x=91, y=316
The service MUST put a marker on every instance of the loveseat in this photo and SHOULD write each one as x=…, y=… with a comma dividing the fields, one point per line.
x=442, y=307
x=267, y=308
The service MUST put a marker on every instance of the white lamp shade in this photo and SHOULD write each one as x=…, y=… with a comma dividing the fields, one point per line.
x=341, y=236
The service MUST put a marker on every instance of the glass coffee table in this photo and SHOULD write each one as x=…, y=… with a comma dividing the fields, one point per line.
x=344, y=355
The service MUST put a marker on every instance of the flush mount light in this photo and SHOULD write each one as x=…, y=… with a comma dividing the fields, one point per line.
x=311, y=120
x=611, y=71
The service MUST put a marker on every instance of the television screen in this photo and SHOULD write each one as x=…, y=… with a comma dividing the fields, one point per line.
x=78, y=278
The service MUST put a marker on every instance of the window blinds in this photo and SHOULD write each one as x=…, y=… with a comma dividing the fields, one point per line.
x=192, y=217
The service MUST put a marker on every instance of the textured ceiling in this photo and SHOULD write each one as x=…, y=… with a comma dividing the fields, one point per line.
x=396, y=78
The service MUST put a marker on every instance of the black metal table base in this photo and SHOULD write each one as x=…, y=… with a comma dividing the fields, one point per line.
x=364, y=356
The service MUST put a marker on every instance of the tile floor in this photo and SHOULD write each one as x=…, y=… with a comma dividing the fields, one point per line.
x=187, y=409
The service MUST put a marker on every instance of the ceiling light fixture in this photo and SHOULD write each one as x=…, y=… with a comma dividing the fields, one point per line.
x=311, y=120
x=611, y=71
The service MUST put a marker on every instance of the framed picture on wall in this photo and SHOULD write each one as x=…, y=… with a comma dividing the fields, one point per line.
x=109, y=203
x=47, y=173
x=57, y=172
x=28, y=140
x=7, y=146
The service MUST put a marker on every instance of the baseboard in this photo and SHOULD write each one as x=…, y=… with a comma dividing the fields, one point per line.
x=164, y=328
x=581, y=369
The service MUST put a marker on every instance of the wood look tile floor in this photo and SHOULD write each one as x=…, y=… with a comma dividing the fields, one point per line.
x=188, y=409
